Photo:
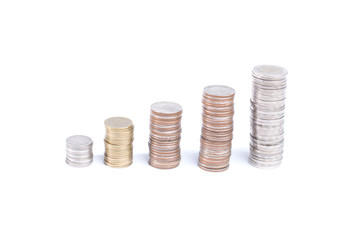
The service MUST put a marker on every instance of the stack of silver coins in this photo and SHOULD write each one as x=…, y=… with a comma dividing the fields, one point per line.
x=217, y=128
x=165, y=135
x=267, y=116
x=79, y=151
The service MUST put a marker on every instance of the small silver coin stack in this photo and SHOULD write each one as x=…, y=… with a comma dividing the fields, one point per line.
x=267, y=107
x=79, y=151
x=217, y=128
x=165, y=135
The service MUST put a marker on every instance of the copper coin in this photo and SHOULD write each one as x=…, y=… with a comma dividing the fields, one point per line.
x=165, y=135
x=217, y=128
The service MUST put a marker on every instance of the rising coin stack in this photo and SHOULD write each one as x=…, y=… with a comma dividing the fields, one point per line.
x=165, y=134
x=267, y=107
x=79, y=151
x=118, y=142
x=217, y=128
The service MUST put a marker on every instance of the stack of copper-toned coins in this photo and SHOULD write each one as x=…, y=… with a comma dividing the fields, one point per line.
x=217, y=128
x=165, y=134
x=118, y=142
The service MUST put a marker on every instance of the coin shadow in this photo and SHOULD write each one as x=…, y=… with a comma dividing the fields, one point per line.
x=141, y=158
x=189, y=157
x=240, y=156
x=98, y=159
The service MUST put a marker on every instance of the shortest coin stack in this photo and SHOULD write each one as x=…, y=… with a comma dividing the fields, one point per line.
x=165, y=134
x=118, y=142
x=79, y=151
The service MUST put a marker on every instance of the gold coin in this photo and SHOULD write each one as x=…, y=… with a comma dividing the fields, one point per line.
x=118, y=123
x=118, y=142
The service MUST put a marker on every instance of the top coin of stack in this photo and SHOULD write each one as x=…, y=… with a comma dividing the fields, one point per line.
x=165, y=134
x=79, y=151
x=118, y=142
x=267, y=107
x=217, y=128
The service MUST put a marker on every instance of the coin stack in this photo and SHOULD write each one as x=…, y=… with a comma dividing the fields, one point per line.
x=217, y=128
x=165, y=134
x=79, y=151
x=267, y=107
x=118, y=142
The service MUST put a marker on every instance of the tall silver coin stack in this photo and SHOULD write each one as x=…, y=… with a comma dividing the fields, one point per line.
x=267, y=107
x=79, y=151
x=165, y=135
x=217, y=128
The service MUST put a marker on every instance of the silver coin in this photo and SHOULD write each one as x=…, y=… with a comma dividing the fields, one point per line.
x=265, y=165
x=79, y=151
x=267, y=108
x=76, y=164
x=219, y=90
x=270, y=72
x=166, y=107
x=79, y=141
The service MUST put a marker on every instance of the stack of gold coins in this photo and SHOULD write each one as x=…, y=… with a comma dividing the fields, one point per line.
x=118, y=142
x=217, y=128
x=165, y=134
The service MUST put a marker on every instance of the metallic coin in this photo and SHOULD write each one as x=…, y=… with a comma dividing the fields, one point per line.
x=79, y=142
x=269, y=72
x=118, y=141
x=267, y=107
x=165, y=135
x=168, y=108
x=210, y=168
x=161, y=164
x=116, y=163
x=118, y=123
x=77, y=164
x=217, y=128
x=79, y=151
x=219, y=91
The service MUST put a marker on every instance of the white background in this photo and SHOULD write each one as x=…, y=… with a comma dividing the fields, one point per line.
x=66, y=66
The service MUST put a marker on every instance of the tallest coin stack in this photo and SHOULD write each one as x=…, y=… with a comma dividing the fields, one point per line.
x=267, y=116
